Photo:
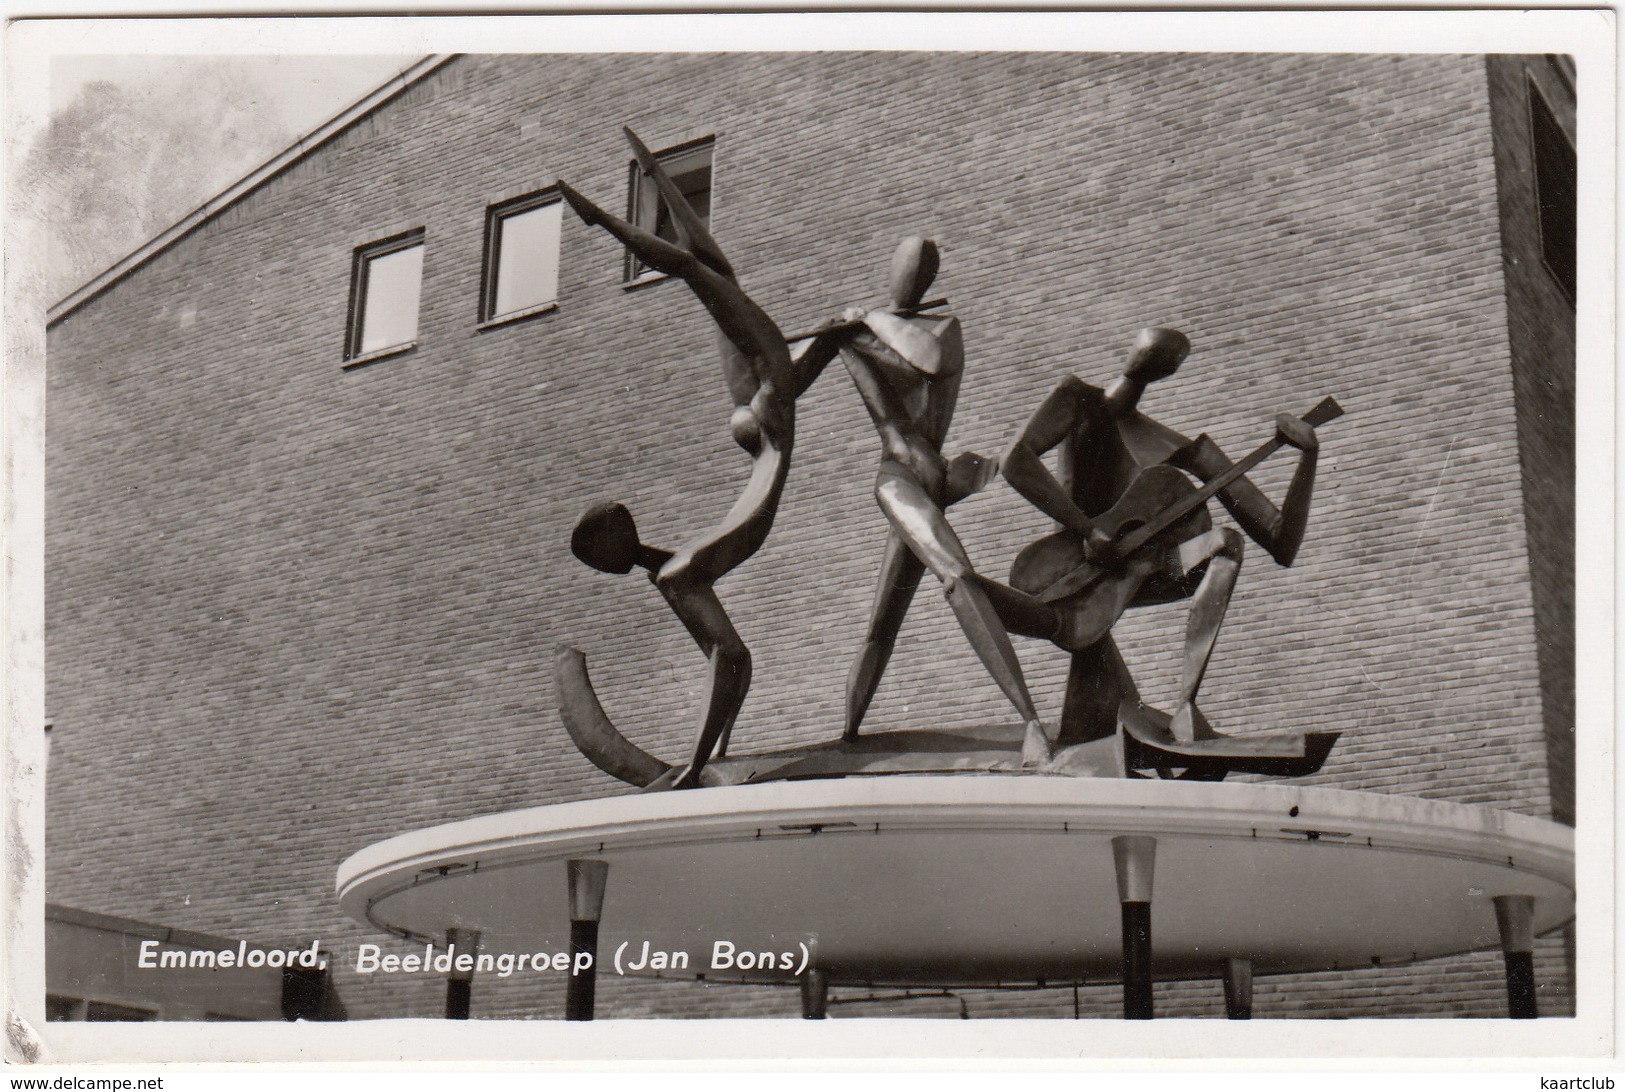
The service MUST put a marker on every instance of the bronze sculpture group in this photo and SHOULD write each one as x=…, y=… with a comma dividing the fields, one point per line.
x=1134, y=528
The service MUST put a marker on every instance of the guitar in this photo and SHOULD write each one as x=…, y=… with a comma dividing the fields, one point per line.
x=1159, y=507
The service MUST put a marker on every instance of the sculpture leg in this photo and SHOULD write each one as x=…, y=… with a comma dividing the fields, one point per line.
x=992, y=646
x=727, y=673
x=1221, y=549
x=920, y=523
x=1084, y=620
x=1096, y=686
x=745, y=325
x=691, y=231
x=651, y=249
x=900, y=574
x=727, y=682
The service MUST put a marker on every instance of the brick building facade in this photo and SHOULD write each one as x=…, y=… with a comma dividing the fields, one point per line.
x=295, y=607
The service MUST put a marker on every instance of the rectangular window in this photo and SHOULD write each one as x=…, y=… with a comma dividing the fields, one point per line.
x=521, y=257
x=689, y=166
x=1556, y=191
x=385, y=281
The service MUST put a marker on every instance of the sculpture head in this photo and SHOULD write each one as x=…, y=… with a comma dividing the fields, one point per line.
x=913, y=268
x=1157, y=354
x=606, y=538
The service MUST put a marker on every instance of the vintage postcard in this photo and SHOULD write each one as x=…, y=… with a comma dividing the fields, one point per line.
x=627, y=537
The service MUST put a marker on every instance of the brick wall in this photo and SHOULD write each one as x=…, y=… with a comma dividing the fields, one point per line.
x=294, y=609
x=1540, y=332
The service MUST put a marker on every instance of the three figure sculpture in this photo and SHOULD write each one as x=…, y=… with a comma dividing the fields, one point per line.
x=1134, y=530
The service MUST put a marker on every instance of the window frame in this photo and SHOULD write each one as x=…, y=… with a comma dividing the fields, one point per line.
x=634, y=272
x=360, y=264
x=495, y=214
x=1538, y=106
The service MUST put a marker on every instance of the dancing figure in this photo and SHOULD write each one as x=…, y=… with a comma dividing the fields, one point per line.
x=764, y=384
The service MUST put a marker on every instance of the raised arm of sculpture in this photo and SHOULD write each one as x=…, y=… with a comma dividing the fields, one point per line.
x=1061, y=416
x=1279, y=530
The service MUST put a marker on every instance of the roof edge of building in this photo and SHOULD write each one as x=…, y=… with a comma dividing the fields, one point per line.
x=246, y=185
x=164, y=934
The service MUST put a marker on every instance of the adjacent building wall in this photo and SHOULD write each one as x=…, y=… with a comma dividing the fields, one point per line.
x=294, y=609
x=99, y=967
x=1540, y=331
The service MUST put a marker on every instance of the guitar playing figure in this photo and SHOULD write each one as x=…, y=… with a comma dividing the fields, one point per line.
x=1160, y=508
x=1135, y=530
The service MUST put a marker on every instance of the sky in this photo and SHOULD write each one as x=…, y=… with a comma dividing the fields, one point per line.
x=178, y=130
x=302, y=90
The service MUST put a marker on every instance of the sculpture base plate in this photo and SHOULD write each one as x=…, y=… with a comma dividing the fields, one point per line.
x=1139, y=738
x=977, y=880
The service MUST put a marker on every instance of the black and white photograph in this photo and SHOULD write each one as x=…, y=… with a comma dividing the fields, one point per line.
x=610, y=537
